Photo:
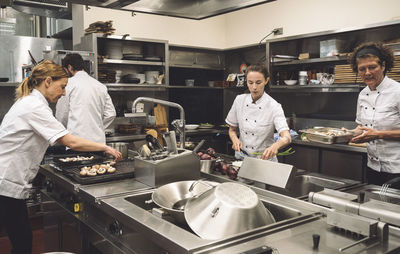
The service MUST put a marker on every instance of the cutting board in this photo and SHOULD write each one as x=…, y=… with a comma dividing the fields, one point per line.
x=160, y=115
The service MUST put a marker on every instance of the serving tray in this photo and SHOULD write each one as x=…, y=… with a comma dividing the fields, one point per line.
x=328, y=135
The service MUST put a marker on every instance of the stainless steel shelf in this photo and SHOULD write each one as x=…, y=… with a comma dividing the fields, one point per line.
x=194, y=87
x=311, y=61
x=9, y=84
x=136, y=62
x=134, y=87
x=335, y=88
x=197, y=67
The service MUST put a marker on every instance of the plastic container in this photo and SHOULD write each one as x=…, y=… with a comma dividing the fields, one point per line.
x=303, y=78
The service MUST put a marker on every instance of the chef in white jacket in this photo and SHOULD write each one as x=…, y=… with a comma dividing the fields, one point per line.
x=257, y=115
x=26, y=131
x=87, y=109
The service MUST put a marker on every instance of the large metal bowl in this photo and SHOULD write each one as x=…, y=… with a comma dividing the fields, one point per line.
x=224, y=210
x=173, y=197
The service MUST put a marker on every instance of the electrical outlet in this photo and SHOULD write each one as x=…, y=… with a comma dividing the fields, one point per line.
x=278, y=31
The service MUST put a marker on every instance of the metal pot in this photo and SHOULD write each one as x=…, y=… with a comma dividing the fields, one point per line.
x=172, y=197
x=224, y=210
x=121, y=147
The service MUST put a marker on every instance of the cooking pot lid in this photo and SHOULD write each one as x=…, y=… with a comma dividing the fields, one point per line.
x=227, y=209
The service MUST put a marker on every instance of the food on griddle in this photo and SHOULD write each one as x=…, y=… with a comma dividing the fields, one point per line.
x=224, y=168
x=205, y=157
x=210, y=151
x=77, y=158
x=101, y=171
x=92, y=172
x=97, y=169
x=111, y=163
x=111, y=170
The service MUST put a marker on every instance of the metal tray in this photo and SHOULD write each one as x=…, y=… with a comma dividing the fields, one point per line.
x=125, y=169
x=97, y=158
x=328, y=135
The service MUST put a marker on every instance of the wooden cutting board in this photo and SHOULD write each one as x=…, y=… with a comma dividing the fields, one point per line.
x=358, y=144
x=160, y=115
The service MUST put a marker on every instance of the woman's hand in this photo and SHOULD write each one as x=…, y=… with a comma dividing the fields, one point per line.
x=270, y=152
x=366, y=135
x=115, y=153
x=236, y=144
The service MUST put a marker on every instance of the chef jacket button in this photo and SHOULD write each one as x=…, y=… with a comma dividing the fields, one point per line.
x=366, y=124
x=252, y=134
x=371, y=124
x=246, y=146
x=379, y=92
x=259, y=107
x=367, y=94
x=255, y=121
x=373, y=108
x=247, y=105
x=246, y=133
x=365, y=107
x=246, y=119
x=252, y=148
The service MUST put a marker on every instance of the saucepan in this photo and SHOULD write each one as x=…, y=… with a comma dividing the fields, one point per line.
x=226, y=209
x=172, y=197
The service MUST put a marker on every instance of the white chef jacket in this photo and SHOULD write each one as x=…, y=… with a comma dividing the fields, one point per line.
x=87, y=109
x=25, y=133
x=256, y=121
x=380, y=110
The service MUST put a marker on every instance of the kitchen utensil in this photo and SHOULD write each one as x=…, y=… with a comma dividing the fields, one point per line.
x=269, y=172
x=227, y=209
x=199, y=145
x=172, y=197
x=154, y=142
x=303, y=78
x=170, y=140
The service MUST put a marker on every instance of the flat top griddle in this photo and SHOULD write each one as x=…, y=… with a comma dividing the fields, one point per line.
x=124, y=170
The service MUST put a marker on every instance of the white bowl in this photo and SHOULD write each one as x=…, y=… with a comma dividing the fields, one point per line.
x=290, y=82
x=191, y=126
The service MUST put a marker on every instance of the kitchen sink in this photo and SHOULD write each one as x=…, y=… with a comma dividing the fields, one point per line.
x=280, y=212
x=306, y=183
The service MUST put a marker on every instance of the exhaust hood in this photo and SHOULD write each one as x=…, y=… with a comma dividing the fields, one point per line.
x=44, y=8
x=191, y=9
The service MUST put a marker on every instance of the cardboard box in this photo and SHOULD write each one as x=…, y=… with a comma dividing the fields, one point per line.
x=330, y=47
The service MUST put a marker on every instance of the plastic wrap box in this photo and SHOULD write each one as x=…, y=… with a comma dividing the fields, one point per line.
x=330, y=47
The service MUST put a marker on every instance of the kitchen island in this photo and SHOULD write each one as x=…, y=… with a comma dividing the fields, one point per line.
x=113, y=217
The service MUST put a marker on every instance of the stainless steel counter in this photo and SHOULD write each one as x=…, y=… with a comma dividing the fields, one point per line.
x=125, y=138
x=118, y=212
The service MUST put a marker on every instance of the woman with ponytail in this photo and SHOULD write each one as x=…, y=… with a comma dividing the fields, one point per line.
x=27, y=130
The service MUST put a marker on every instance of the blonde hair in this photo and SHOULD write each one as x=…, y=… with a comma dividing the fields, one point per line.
x=40, y=72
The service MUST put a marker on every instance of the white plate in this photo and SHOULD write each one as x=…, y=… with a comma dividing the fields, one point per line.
x=206, y=126
x=191, y=126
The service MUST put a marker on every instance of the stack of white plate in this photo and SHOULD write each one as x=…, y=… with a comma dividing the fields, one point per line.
x=114, y=49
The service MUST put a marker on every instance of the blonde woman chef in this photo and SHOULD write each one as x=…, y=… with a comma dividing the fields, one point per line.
x=26, y=131
x=257, y=115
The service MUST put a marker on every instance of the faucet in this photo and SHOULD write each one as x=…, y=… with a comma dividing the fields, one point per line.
x=180, y=127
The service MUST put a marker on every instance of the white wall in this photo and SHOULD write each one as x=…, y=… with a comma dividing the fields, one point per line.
x=248, y=26
x=205, y=33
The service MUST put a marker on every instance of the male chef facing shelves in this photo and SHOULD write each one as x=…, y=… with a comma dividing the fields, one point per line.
x=257, y=115
x=26, y=131
x=378, y=111
x=87, y=109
